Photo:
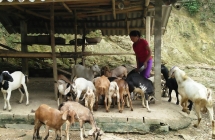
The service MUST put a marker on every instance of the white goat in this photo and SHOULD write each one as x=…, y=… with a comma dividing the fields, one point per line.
x=80, y=85
x=113, y=93
x=64, y=88
x=84, y=115
x=84, y=72
x=7, y=86
x=196, y=92
x=89, y=97
x=52, y=118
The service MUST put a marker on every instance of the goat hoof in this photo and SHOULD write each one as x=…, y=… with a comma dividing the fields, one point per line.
x=120, y=111
x=132, y=109
x=107, y=110
x=177, y=103
x=169, y=100
x=195, y=125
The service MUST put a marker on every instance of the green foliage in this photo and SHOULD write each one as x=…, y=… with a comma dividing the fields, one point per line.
x=9, y=38
x=96, y=33
x=185, y=35
x=192, y=6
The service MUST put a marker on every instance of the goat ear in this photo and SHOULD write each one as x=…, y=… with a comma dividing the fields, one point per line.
x=1, y=78
x=67, y=90
x=90, y=133
x=64, y=116
x=72, y=114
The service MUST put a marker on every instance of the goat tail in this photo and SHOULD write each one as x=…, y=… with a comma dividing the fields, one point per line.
x=102, y=90
x=26, y=79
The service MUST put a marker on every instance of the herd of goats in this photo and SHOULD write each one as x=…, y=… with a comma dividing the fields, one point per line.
x=115, y=86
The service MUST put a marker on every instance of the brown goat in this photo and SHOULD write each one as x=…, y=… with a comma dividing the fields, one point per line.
x=124, y=93
x=102, y=88
x=83, y=115
x=52, y=118
x=119, y=71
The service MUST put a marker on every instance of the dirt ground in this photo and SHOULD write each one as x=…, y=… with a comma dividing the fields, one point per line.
x=190, y=133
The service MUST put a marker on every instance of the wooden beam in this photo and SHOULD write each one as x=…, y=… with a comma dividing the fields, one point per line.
x=9, y=54
x=29, y=12
x=114, y=9
x=68, y=9
x=50, y=1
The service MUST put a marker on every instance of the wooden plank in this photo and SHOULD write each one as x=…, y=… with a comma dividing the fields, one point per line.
x=68, y=9
x=114, y=9
x=29, y=12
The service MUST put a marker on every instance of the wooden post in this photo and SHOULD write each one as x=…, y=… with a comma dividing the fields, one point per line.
x=157, y=49
x=83, y=45
x=75, y=28
x=148, y=28
x=24, y=47
x=52, y=32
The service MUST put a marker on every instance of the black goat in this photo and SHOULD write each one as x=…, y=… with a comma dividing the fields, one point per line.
x=135, y=80
x=171, y=84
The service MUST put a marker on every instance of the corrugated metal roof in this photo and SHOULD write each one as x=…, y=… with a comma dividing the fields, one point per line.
x=35, y=15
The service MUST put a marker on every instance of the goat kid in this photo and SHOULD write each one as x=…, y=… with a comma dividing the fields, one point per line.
x=102, y=85
x=196, y=92
x=64, y=88
x=80, y=86
x=84, y=115
x=113, y=93
x=52, y=118
x=13, y=81
x=89, y=99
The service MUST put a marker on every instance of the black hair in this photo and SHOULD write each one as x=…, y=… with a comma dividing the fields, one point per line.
x=135, y=33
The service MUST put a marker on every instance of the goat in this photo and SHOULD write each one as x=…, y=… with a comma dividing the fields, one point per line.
x=102, y=88
x=8, y=85
x=171, y=84
x=52, y=118
x=196, y=92
x=80, y=85
x=134, y=79
x=89, y=97
x=64, y=88
x=84, y=115
x=119, y=71
x=113, y=93
x=84, y=72
x=124, y=93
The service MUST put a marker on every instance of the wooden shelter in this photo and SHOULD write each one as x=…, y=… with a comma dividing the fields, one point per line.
x=112, y=17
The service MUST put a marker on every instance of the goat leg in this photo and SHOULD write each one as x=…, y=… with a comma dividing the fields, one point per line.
x=176, y=92
x=22, y=94
x=198, y=113
x=170, y=97
x=46, y=132
x=5, y=101
x=147, y=106
x=213, y=129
